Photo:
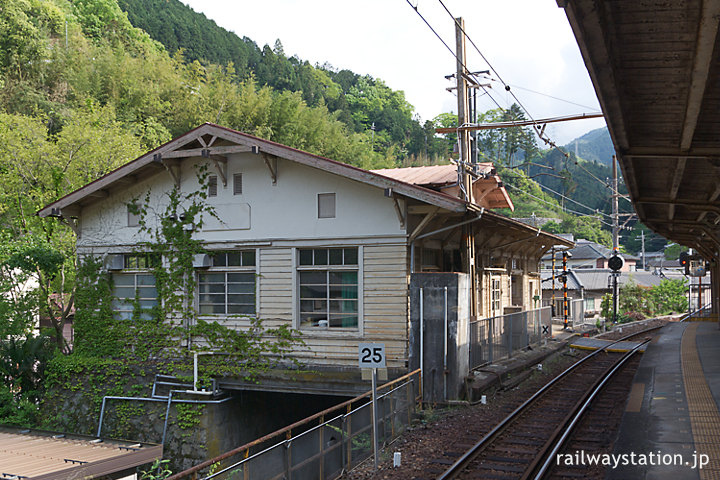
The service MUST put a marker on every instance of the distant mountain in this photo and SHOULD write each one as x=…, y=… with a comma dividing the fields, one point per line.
x=595, y=145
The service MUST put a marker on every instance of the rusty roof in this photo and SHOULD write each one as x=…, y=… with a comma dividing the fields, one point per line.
x=36, y=455
x=431, y=175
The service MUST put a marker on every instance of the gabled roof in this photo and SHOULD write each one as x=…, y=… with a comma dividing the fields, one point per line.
x=215, y=142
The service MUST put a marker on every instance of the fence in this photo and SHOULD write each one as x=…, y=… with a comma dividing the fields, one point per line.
x=341, y=439
x=495, y=338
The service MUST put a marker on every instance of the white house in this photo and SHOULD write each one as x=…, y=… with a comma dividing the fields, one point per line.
x=305, y=241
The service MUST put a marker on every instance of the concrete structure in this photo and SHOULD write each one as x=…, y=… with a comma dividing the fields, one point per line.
x=310, y=243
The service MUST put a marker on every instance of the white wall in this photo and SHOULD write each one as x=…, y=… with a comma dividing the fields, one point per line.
x=285, y=211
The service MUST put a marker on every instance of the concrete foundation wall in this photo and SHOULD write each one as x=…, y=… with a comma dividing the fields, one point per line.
x=445, y=333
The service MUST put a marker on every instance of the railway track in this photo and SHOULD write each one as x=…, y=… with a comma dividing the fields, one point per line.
x=525, y=443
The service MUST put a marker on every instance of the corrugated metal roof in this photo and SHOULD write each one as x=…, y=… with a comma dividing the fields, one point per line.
x=430, y=175
x=43, y=455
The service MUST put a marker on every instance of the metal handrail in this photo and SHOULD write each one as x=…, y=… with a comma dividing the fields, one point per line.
x=286, y=430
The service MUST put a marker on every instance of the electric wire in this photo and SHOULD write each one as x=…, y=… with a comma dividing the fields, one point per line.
x=594, y=210
x=543, y=94
x=547, y=140
x=536, y=130
x=564, y=209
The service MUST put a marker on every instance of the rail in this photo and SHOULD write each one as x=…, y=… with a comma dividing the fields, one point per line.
x=468, y=456
x=340, y=440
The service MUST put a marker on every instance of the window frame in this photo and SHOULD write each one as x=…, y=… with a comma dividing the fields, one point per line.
x=297, y=269
x=133, y=267
x=229, y=269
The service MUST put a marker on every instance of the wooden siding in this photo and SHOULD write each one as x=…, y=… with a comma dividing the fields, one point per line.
x=385, y=304
x=276, y=284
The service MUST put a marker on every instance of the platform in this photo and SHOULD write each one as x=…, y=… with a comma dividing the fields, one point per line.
x=671, y=422
x=590, y=343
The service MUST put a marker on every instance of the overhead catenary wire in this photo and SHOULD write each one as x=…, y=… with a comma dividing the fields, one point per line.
x=537, y=130
x=594, y=210
x=564, y=209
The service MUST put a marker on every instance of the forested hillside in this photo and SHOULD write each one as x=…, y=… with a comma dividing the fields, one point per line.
x=594, y=146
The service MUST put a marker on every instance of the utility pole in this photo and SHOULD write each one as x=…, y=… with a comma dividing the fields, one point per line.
x=642, y=239
x=468, y=234
x=615, y=233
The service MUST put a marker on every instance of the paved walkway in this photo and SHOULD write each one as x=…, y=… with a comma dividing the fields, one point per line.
x=671, y=424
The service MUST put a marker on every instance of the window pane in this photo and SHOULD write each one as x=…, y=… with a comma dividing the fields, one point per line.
x=148, y=304
x=341, y=291
x=336, y=256
x=351, y=256
x=147, y=292
x=317, y=278
x=123, y=280
x=212, y=277
x=343, y=321
x=219, y=259
x=306, y=257
x=212, y=298
x=234, y=259
x=346, y=278
x=241, y=278
x=248, y=258
x=145, y=279
x=211, y=288
x=309, y=306
x=312, y=319
x=245, y=299
x=313, y=291
x=321, y=256
x=125, y=292
x=241, y=288
x=343, y=306
x=242, y=309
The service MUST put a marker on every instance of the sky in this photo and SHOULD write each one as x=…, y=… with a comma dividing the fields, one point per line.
x=528, y=43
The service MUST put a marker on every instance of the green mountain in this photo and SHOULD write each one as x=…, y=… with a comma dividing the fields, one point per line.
x=363, y=103
x=595, y=146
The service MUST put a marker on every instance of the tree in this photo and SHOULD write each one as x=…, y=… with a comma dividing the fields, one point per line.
x=670, y=296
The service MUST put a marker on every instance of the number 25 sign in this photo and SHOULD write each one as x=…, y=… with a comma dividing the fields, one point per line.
x=371, y=355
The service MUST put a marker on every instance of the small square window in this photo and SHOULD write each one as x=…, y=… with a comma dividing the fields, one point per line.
x=133, y=219
x=212, y=186
x=237, y=184
x=326, y=205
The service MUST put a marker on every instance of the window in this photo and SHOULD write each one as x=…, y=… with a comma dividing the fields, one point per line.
x=212, y=186
x=228, y=287
x=133, y=219
x=237, y=184
x=496, y=294
x=328, y=286
x=326, y=205
x=134, y=288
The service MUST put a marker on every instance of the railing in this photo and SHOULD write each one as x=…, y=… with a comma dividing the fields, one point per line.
x=340, y=440
x=495, y=338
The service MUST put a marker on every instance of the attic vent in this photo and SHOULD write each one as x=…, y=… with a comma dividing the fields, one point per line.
x=237, y=184
x=212, y=186
x=326, y=205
